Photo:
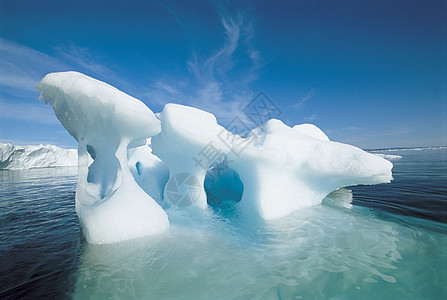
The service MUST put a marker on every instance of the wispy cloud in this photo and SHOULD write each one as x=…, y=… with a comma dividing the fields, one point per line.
x=15, y=81
x=83, y=60
x=218, y=83
x=310, y=118
x=344, y=130
x=394, y=131
x=217, y=92
x=28, y=112
x=376, y=133
x=222, y=60
x=370, y=138
x=164, y=86
x=304, y=99
x=173, y=13
x=22, y=67
x=80, y=58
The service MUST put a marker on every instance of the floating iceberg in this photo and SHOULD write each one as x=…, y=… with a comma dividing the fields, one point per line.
x=149, y=171
x=43, y=156
x=273, y=171
x=312, y=131
x=390, y=157
x=284, y=169
x=189, y=145
x=110, y=205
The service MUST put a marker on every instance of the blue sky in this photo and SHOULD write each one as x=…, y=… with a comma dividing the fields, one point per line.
x=369, y=73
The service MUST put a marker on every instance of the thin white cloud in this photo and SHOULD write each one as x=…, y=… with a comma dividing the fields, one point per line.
x=395, y=131
x=368, y=139
x=310, y=118
x=28, y=112
x=304, y=99
x=82, y=59
x=254, y=55
x=222, y=61
x=216, y=92
x=362, y=134
x=22, y=67
x=22, y=82
x=345, y=130
x=163, y=85
x=173, y=13
x=388, y=132
x=210, y=87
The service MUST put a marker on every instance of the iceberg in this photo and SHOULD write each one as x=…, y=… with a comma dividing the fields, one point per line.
x=110, y=205
x=390, y=157
x=149, y=171
x=312, y=131
x=182, y=155
x=189, y=145
x=43, y=156
x=284, y=169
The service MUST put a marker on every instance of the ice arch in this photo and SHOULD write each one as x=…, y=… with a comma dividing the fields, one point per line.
x=110, y=205
x=223, y=186
x=279, y=169
x=284, y=169
x=149, y=171
x=189, y=145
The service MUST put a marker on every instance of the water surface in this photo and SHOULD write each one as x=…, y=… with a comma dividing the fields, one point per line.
x=391, y=242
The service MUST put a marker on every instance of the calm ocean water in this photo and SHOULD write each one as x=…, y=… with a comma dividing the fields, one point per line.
x=390, y=243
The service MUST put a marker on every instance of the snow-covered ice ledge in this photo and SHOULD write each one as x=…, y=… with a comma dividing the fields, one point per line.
x=282, y=169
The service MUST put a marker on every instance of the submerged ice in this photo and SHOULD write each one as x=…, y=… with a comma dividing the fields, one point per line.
x=271, y=173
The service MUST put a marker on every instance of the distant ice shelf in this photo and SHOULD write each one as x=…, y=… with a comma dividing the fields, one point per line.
x=42, y=156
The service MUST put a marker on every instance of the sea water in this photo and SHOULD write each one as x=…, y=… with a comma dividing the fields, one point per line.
x=384, y=241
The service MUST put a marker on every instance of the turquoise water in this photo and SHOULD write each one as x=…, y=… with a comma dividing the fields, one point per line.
x=391, y=242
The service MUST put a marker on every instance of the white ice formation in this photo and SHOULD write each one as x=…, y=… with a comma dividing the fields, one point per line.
x=149, y=171
x=312, y=131
x=284, y=169
x=273, y=171
x=43, y=156
x=110, y=205
x=390, y=157
x=189, y=144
